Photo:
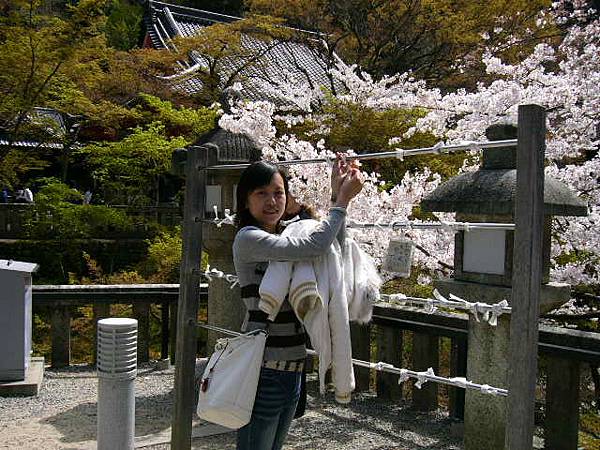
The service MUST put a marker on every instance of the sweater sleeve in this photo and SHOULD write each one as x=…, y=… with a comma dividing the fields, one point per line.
x=253, y=244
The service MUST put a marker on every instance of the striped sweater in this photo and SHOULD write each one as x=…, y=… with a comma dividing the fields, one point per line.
x=253, y=248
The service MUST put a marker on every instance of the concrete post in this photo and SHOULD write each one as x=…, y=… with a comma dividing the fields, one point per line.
x=117, y=369
x=487, y=363
x=225, y=308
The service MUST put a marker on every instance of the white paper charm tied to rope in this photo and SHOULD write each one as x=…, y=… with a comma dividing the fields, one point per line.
x=381, y=366
x=209, y=273
x=440, y=148
x=404, y=376
x=422, y=377
x=490, y=312
x=460, y=382
x=227, y=220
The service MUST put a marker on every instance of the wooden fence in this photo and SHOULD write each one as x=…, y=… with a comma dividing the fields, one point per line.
x=565, y=350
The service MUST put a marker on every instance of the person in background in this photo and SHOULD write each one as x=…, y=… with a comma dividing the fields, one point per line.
x=87, y=197
x=262, y=197
x=28, y=195
x=5, y=196
x=20, y=195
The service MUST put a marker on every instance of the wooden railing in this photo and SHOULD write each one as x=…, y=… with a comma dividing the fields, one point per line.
x=566, y=350
x=62, y=298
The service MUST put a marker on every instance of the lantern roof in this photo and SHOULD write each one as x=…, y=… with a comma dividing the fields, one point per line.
x=233, y=147
x=493, y=192
x=492, y=189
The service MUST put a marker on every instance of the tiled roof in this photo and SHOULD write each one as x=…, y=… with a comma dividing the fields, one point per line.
x=296, y=61
x=52, y=122
x=30, y=144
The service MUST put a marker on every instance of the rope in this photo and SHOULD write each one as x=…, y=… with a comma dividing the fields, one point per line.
x=439, y=148
x=450, y=227
x=404, y=374
x=489, y=312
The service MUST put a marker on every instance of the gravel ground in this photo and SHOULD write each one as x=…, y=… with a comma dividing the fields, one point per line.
x=63, y=416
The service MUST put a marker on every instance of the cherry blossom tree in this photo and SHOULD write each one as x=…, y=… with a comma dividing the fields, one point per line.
x=563, y=78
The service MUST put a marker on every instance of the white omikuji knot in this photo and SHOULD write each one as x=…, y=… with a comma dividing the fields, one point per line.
x=382, y=366
x=422, y=377
x=490, y=390
x=400, y=154
x=403, y=376
x=229, y=219
x=232, y=279
x=460, y=382
x=494, y=311
x=399, y=297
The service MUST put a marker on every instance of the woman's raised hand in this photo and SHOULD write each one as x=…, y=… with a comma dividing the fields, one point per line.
x=350, y=186
x=338, y=172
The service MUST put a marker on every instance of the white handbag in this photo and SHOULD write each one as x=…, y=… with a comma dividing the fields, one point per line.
x=228, y=385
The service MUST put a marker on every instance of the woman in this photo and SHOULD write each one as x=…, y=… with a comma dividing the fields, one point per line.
x=262, y=196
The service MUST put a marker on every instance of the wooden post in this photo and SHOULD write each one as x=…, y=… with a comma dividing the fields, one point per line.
x=164, y=330
x=60, y=325
x=361, y=349
x=458, y=368
x=189, y=294
x=562, y=404
x=389, y=350
x=172, y=331
x=425, y=354
x=101, y=311
x=141, y=312
x=527, y=277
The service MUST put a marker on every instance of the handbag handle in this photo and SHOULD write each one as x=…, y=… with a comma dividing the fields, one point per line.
x=205, y=380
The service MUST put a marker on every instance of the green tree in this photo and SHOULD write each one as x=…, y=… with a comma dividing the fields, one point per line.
x=435, y=39
x=61, y=61
x=58, y=213
x=128, y=171
x=124, y=25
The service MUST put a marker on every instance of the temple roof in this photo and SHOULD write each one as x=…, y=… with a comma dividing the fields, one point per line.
x=51, y=126
x=298, y=63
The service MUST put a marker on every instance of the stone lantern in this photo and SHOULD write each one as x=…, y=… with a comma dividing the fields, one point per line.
x=224, y=306
x=483, y=271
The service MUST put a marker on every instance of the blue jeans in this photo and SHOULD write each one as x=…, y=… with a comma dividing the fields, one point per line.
x=276, y=399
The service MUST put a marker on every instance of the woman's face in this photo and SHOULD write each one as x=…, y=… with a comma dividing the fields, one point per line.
x=267, y=203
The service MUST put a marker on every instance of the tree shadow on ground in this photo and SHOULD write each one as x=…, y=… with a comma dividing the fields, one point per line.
x=152, y=415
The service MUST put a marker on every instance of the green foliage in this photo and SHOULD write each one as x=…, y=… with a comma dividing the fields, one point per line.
x=124, y=25
x=16, y=163
x=164, y=257
x=58, y=214
x=190, y=123
x=408, y=286
x=128, y=171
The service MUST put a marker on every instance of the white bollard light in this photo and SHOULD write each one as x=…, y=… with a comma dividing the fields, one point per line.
x=117, y=369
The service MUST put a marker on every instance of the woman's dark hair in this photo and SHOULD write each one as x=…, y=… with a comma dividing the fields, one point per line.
x=256, y=175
